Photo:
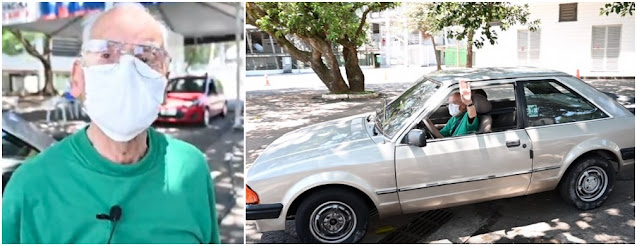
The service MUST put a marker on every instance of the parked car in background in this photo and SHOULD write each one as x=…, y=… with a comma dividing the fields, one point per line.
x=193, y=99
x=538, y=130
x=20, y=141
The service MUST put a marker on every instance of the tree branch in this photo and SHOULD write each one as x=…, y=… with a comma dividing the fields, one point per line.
x=30, y=48
x=362, y=24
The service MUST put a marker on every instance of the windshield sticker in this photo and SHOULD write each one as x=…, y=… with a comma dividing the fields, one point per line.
x=532, y=110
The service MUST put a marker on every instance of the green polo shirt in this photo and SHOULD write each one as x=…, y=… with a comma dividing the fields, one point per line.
x=166, y=197
x=463, y=128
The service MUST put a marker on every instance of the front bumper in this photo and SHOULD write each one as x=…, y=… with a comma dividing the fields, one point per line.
x=263, y=211
x=184, y=115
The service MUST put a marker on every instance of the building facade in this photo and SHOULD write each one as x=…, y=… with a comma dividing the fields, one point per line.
x=572, y=37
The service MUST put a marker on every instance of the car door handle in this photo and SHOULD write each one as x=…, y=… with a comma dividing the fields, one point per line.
x=515, y=143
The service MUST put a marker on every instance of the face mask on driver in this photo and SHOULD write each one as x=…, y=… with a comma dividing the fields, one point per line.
x=454, y=109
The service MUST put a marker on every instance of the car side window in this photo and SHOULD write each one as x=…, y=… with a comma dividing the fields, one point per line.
x=211, y=87
x=14, y=148
x=219, y=87
x=548, y=102
x=503, y=107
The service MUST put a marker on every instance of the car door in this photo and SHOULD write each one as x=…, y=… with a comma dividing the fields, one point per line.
x=464, y=169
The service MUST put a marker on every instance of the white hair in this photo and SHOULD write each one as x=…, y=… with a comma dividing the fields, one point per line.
x=89, y=21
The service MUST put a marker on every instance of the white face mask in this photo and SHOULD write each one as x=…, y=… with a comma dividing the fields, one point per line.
x=454, y=109
x=120, y=101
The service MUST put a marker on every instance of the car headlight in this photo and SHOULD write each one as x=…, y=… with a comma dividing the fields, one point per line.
x=192, y=103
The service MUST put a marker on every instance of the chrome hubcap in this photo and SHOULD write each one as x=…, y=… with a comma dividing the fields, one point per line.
x=332, y=222
x=591, y=184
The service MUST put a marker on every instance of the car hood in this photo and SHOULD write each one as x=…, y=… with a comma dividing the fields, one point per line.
x=315, y=140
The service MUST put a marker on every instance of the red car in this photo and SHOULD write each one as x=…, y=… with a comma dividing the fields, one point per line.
x=193, y=99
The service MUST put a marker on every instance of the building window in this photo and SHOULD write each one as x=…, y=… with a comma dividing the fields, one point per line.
x=66, y=47
x=528, y=46
x=568, y=12
x=375, y=28
x=605, y=47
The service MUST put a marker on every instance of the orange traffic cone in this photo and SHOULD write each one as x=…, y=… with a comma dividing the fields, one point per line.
x=577, y=74
x=267, y=82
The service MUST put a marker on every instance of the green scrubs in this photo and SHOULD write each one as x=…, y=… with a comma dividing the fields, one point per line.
x=464, y=127
x=166, y=197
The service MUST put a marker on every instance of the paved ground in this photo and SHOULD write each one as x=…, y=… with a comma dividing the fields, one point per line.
x=223, y=146
x=538, y=218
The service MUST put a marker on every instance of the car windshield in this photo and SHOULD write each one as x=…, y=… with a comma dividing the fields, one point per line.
x=187, y=85
x=398, y=111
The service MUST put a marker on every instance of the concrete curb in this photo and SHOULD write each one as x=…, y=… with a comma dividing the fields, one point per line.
x=349, y=96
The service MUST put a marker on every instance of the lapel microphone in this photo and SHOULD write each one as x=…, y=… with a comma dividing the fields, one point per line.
x=114, y=215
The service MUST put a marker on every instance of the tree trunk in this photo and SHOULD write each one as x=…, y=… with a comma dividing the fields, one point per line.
x=433, y=42
x=355, y=75
x=49, y=89
x=44, y=58
x=470, y=49
x=336, y=84
x=317, y=65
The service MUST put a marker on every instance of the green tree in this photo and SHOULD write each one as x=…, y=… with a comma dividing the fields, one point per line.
x=620, y=8
x=15, y=42
x=418, y=19
x=196, y=54
x=474, y=21
x=323, y=27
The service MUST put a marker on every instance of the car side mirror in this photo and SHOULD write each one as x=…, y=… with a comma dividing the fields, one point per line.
x=417, y=137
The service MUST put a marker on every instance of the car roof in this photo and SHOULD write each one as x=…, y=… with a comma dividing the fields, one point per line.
x=454, y=75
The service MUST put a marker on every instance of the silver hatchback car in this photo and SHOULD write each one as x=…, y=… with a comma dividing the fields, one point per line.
x=539, y=130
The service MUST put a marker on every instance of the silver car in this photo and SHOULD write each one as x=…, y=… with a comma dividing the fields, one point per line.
x=20, y=141
x=539, y=130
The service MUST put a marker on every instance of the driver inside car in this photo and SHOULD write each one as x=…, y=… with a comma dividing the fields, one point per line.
x=463, y=114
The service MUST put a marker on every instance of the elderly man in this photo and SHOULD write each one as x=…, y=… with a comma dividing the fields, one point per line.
x=463, y=114
x=117, y=180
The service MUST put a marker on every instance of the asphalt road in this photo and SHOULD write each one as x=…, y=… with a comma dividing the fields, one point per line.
x=538, y=218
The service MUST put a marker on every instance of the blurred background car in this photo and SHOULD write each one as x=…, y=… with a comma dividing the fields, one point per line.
x=193, y=99
x=20, y=141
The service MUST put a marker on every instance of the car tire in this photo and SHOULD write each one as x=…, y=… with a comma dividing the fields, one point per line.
x=344, y=217
x=588, y=184
x=205, y=121
x=224, y=111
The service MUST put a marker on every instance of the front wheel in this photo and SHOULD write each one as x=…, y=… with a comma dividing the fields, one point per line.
x=205, y=122
x=332, y=216
x=589, y=183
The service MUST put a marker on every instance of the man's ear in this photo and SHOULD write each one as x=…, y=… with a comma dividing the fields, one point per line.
x=77, y=79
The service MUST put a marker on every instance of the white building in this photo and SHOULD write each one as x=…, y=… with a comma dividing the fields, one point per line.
x=572, y=37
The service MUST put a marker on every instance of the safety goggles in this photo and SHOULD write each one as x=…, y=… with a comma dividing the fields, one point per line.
x=104, y=52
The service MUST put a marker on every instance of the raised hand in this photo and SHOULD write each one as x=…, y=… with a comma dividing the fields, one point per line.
x=465, y=92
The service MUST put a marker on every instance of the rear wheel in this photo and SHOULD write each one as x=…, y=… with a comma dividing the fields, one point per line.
x=588, y=184
x=332, y=216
